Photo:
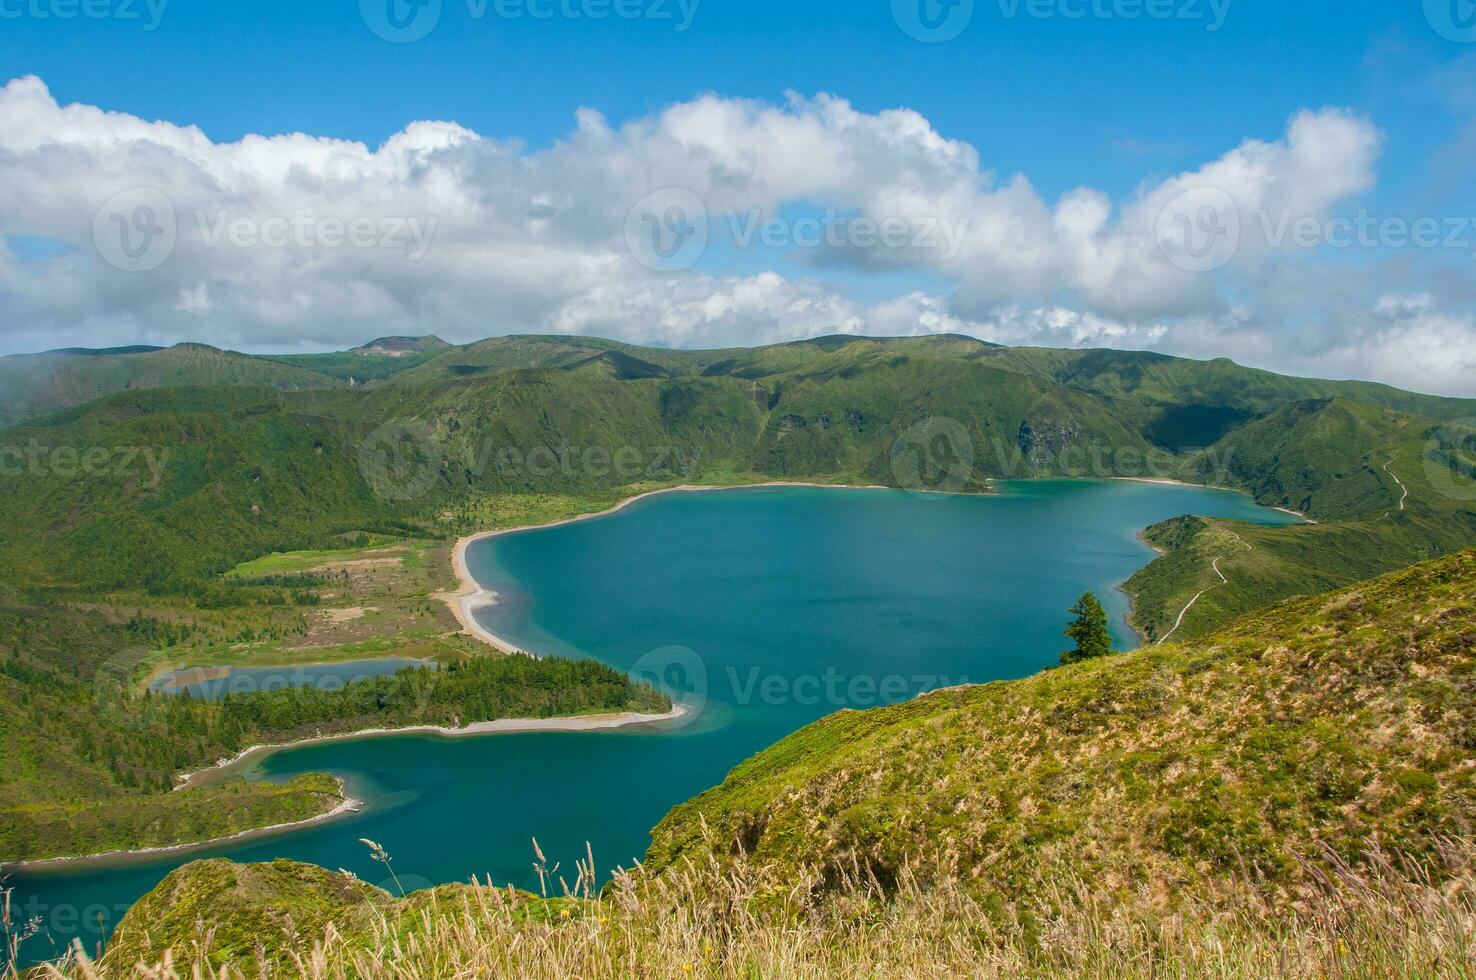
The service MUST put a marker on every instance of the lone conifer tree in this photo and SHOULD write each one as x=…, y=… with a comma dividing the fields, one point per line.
x=1089, y=630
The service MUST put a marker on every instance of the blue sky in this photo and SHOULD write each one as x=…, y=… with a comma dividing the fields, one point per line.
x=1068, y=102
x=1103, y=102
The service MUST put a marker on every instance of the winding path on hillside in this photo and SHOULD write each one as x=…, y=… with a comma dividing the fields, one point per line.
x=1223, y=581
x=1404, y=500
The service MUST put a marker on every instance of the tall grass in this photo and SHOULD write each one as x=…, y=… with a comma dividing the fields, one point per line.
x=1384, y=919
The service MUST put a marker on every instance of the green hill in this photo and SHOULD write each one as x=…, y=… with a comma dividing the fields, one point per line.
x=1290, y=797
x=133, y=507
x=377, y=360
x=1294, y=738
x=34, y=384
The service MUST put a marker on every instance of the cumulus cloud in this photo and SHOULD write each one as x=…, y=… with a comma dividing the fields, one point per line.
x=303, y=242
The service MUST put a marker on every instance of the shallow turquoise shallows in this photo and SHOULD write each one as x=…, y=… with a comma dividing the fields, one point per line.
x=766, y=608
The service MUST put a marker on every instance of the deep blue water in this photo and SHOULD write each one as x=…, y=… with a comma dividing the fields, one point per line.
x=767, y=609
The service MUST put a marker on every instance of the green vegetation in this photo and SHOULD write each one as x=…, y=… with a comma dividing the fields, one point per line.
x=376, y=361
x=34, y=384
x=44, y=830
x=90, y=767
x=193, y=507
x=1267, y=755
x=1088, y=630
x=1291, y=797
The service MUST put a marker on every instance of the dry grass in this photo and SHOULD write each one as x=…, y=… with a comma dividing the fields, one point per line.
x=1387, y=920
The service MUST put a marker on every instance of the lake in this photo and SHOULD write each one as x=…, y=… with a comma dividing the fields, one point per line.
x=765, y=608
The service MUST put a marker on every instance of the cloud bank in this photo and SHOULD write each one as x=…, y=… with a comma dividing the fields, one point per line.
x=120, y=230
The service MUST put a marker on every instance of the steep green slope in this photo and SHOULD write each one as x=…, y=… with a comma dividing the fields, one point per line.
x=34, y=384
x=1204, y=398
x=1298, y=736
x=1390, y=483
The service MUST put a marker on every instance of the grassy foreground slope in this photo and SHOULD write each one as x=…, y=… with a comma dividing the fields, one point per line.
x=1312, y=730
x=1291, y=797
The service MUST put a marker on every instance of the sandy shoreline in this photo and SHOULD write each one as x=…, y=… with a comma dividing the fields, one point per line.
x=347, y=806
x=1167, y=482
x=471, y=595
x=501, y=726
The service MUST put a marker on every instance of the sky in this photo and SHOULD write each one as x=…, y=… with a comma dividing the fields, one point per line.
x=1286, y=184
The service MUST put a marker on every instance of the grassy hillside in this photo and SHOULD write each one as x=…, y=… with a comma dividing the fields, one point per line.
x=1290, y=797
x=141, y=506
x=34, y=384
x=1297, y=737
x=377, y=360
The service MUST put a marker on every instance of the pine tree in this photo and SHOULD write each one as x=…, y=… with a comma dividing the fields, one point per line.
x=1089, y=630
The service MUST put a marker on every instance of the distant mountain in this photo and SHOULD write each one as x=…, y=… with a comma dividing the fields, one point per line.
x=33, y=384
x=252, y=470
x=401, y=346
x=375, y=361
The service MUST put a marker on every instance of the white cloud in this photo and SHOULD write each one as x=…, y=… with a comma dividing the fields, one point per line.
x=534, y=241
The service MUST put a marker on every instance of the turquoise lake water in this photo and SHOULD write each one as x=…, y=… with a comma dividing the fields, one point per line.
x=765, y=608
